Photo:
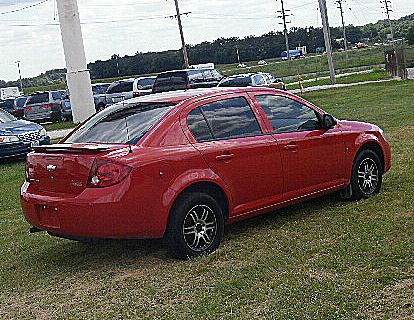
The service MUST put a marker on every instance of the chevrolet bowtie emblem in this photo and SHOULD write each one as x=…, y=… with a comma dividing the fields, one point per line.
x=51, y=167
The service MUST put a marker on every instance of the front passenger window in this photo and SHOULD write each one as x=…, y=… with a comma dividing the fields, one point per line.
x=287, y=115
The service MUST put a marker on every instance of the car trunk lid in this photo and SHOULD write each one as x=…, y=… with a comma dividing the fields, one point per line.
x=64, y=168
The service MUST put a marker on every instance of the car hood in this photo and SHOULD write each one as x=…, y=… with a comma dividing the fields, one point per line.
x=357, y=125
x=18, y=127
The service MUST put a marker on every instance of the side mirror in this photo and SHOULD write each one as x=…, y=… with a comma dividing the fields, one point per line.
x=328, y=122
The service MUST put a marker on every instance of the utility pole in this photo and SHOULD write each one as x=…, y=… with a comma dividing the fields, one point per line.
x=78, y=77
x=339, y=2
x=238, y=54
x=327, y=36
x=20, y=74
x=180, y=26
x=283, y=16
x=388, y=10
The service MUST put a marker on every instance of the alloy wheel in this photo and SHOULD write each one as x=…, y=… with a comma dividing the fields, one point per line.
x=199, y=228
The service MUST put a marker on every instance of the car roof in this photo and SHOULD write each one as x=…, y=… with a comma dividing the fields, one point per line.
x=179, y=96
x=241, y=75
x=187, y=70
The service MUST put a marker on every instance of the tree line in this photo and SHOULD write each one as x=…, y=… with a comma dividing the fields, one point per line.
x=223, y=51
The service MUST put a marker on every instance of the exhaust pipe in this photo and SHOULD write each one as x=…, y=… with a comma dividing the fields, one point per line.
x=34, y=230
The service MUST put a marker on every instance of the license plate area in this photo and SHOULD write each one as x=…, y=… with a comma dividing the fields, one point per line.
x=48, y=216
x=118, y=99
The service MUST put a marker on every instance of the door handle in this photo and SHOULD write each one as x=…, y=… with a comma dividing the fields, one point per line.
x=225, y=157
x=291, y=146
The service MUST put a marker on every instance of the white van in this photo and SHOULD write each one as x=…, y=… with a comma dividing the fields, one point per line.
x=9, y=93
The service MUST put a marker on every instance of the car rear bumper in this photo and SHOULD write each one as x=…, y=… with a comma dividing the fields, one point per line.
x=42, y=116
x=19, y=149
x=103, y=213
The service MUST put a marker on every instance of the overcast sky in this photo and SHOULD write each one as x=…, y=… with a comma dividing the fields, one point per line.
x=127, y=26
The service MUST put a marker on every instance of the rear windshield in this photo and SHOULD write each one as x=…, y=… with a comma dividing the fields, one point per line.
x=171, y=81
x=126, y=125
x=20, y=102
x=100, y=89
x=146, y=83
x=57, y=95
x=38, y=98
x=7, y=104
x=121, y=86
x=6, y=117
x=236, y=82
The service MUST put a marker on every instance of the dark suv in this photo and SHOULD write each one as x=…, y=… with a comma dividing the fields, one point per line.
x=186, y=79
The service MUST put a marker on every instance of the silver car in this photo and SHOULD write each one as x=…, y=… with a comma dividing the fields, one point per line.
x=44, y=106
x=99, y=91
x=129, y=88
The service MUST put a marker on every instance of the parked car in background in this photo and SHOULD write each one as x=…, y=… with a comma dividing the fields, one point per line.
x=14, y=106
x=18, y=136
x=129, y=88
x=66, y=107
x=259, y=79
x=99, y=91
x=19, y=103
x=186, y=79
x=7, y=105
x=9, y=93
x=182, y=164
x=44, y=106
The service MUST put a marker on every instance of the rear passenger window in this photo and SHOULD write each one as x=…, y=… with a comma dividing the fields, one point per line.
x=287, y=115
x=198, y=126
x=225, y=119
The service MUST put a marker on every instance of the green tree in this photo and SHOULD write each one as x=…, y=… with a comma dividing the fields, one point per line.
x=410, y=35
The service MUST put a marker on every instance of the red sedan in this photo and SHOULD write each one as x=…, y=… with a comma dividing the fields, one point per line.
x=181, y=165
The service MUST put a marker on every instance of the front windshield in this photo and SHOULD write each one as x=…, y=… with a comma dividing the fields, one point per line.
x=6, y=117
x=120, y=125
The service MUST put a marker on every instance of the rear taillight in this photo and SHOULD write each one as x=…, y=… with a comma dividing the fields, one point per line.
x=105, y=173
x=28, y=108
x=136, y=94
x=45, y=106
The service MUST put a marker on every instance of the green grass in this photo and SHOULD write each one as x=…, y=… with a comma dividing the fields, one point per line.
x=59, y=125
x=357, y=58
x=323, y=259
x=372, y=76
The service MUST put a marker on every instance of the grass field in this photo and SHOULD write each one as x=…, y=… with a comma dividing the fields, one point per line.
x=59, y=125
x=323, y=259
x=372, y=76
x=357, y=58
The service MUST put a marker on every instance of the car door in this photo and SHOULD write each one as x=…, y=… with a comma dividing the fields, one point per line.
x=229, y=136
x=313, y=158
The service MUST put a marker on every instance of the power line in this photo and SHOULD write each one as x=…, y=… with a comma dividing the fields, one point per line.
x=24, y=8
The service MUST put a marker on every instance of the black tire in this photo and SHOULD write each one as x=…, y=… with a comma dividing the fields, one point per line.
x=195, y=227
x=367, y=175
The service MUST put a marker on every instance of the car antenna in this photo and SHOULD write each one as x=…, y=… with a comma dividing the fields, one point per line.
x=128, y=137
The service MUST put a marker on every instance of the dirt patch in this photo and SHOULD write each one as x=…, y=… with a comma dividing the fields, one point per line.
x=394, y=302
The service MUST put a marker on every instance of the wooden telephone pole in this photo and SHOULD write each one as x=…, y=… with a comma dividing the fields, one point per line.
x=180, y=26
